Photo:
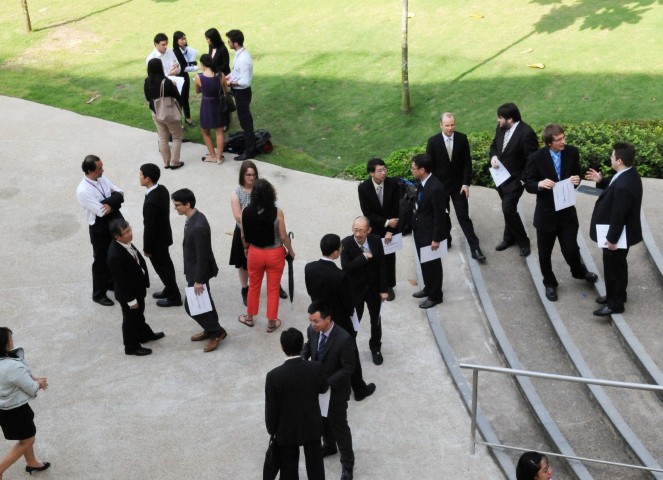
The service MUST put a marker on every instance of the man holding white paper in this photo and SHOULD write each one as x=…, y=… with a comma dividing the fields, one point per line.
x=199, y=266
x=618, y=207
x=430, y=228
x=546, y=169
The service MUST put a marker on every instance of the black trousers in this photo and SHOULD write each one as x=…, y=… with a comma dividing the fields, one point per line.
x=514, y=230
x=208, y=320
x=357, y=378
x=433, y=275
x=336, y=431
x=101, y=276
x=545, y=241
x=135, y=329
x=243, y=103
x=462, y=208
x=615, y=271
x=164, y=267
x=372, y=299
x=185, y=95
x=390, y=264
x=289, y=457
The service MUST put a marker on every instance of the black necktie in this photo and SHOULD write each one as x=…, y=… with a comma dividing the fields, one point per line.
x=322, y=346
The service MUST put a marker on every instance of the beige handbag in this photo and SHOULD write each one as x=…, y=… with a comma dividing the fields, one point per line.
x=167, y=109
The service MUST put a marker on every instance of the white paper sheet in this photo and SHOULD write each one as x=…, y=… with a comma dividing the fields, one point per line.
x=564, y=194
x=426, y=254
x=198, y=303
x=500, y=174
x=323, y=399
x=602, y=233
x=396, y=244
x=178, y=81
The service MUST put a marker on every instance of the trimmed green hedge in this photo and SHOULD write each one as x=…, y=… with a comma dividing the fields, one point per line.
x=594, y=140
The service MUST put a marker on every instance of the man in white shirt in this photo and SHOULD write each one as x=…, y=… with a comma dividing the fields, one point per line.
x=240, y=80
x=101, y=202
x=171, y=66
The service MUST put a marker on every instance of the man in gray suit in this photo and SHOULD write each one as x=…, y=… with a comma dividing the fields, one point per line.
x=199, y=265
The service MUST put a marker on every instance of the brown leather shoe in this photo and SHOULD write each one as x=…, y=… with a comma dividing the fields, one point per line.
x=199, y=337
x=213, y=344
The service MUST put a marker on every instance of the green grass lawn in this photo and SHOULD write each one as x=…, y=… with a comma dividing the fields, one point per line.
x=327, y=74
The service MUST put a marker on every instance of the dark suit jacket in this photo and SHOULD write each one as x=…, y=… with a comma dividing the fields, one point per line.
x=619, y=205
x=431, y=223
x=131, y=281
x=157, y=234
x=220, y=61
x=364, y=274
x=371, y=208
x=522, y=143
x=338, y=361
x=326, y=282
x=452, y=172
x=292, y=409
x=199, y=262
x=540, y=166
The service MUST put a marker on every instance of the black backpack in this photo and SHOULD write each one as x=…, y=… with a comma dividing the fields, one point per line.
x=234, y=143
x=406, y=203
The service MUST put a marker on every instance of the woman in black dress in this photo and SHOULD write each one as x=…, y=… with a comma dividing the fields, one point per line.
x=218, y=52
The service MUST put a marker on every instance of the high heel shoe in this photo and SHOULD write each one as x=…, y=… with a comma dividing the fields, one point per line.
x=30, y=469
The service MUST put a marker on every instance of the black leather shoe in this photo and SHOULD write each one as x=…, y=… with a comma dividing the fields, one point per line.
x=428, y=303
x=478, y=255
x=161, y=294
x=166, y=302
x=602, y=300
x=30, y=469
x=368, y=391
x=551, y=294
x=605, y=310
x=346, y=474
x=420, y=294
x=390, y=294
x=156, y=336
x=525, y=251
x=282, y=293
x=105, y=301
x=377, y=358
x=503, y=246
x=591, y=277
x=139, y=352
x=328, y=450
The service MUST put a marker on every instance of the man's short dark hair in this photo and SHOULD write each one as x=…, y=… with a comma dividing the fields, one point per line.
x=116, y=226
x=292, y=342
x=319, y=306
x=90, y=163
x=550, y=131
x=236, y=36
x=421, y=160
x=373, y=164
x=160, y=37
x=329, y=244
x=184, y=196
x=625, y=152
x=509, y=111
x=151, y=171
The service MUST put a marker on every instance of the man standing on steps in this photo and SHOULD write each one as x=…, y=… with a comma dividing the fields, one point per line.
x=240, y=80
x=514, y=141
x=545, y=167
x=618, y=210
x=449, y=151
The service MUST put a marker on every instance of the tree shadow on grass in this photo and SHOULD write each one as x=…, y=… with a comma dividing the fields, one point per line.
x=74, y=20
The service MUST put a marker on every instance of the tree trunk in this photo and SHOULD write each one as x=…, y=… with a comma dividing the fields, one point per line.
x=26, y=15
x=405, y=100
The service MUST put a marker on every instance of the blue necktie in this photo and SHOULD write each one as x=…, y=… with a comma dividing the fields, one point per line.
x=557, y=160
x=322, y=346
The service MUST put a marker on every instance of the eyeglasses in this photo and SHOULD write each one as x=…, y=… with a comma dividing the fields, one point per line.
x=250, y=174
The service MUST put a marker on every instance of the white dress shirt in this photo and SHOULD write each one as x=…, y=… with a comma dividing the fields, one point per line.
x=90, y=193
x=242, y=72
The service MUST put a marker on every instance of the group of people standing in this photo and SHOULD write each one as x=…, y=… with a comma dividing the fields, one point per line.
x=168, y=76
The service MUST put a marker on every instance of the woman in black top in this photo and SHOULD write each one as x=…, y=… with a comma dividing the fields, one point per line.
x=533, y=466
x=218, y=52
x=180, y=46
x=153, y=82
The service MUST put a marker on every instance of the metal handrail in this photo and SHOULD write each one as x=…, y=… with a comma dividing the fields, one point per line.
x=548, y=376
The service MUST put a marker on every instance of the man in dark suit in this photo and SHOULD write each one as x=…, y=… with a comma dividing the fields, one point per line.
x=379, y=202
x=452, y=166
x=545, y=167
x=292, y=409
x=362, y=258
x=129, y=271
x=332, y=346
x=199, y=266
x=618, y=206
x=429, y=228
x=157, y=234
x=329, y=284
x=514, y=141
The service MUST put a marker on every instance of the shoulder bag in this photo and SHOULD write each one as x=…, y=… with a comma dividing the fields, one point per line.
x=166, y=109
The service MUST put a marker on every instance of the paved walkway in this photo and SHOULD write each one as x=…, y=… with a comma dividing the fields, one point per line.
x=180, y=413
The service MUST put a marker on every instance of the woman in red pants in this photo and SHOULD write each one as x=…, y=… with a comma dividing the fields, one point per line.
x=266, y=244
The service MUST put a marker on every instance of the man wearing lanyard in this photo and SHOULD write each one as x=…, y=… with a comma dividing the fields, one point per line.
x=101, y=202
x=240, y=80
